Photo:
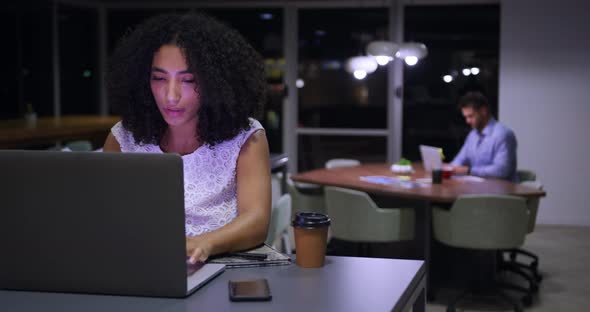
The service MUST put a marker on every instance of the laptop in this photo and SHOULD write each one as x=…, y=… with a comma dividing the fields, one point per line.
x=430, y=157
x=86, y=222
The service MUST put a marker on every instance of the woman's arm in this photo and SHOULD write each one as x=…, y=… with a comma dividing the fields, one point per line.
x=111, y=144
x=250, y=227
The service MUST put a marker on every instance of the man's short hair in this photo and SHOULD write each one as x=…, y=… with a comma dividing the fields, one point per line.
x=473, y=99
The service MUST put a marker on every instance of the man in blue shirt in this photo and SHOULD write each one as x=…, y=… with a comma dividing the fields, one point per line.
x=490, y=148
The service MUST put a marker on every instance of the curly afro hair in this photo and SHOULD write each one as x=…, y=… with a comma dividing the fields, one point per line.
x=229, y=74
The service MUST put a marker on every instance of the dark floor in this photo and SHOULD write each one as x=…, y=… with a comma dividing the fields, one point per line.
x=564, y=253
x=565, y=264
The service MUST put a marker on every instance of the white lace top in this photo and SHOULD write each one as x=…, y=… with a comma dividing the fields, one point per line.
x=210, y=190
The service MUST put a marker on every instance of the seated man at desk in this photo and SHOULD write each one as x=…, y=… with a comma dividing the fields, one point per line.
x=490, y=148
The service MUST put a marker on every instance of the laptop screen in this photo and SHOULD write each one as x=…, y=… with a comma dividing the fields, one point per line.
x=430, y=157
x=110, y=223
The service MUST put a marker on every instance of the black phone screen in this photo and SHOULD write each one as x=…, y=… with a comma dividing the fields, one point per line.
x=249, y=290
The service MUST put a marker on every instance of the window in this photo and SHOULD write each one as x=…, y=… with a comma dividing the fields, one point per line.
x=78, y=52
x=458, y=38
x=315, y=150
x=329, y=95
x=28, y=78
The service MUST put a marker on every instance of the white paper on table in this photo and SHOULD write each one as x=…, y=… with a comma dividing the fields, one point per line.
x=468, y=178
x=424, y=180
x=385, y=180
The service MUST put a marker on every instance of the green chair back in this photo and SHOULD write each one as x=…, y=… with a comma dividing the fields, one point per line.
x=79, y=146
x=280, y=219
x=355, y=217
x=482, y=222
x=526, y=175
x=306, y=197
x=533, y=204
x=341, y=162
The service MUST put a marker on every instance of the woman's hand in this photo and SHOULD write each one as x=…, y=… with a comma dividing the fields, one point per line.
x=198, y=249
x=249, y=228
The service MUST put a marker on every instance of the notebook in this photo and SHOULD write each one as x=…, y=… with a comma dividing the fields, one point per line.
x=85, y=222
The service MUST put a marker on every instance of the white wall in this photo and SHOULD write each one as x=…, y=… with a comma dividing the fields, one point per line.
x=545, y=99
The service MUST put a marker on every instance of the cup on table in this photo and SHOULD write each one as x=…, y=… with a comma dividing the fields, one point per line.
x=437, y=176
x=447, y=172
x=311, y=234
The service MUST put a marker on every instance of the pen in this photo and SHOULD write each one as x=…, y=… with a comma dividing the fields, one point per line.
x=249, y=255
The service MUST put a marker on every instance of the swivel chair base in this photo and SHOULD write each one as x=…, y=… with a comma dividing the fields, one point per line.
x=495, y=291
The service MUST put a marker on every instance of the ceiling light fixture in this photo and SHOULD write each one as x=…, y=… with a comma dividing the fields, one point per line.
x=360, y=66
x=266, y=16
x=382, y=51
x=411, y=52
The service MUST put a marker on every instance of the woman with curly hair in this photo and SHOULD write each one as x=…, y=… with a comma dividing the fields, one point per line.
x=188, y=84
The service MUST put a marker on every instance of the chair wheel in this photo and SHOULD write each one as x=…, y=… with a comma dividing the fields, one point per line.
x=450, y=309
x=527, y=300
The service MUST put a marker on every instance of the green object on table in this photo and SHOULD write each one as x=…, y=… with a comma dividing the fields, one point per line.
x=404, y=162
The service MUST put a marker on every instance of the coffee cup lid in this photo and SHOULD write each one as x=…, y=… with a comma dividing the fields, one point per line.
x=310, y=220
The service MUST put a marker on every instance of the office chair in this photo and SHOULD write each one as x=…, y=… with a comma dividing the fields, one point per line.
x=485, y=223
x=79, y=146
x=280, y=221
x=529, y=270
x=356, y=218
x=305, y=197
x=309, y=197
x=341, y=162
x=526, y=175
x=275, y=187
x=528, y=178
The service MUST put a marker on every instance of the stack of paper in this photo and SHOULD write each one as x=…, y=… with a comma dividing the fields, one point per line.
x=385, y=180
x=273, y=257
x=468, y=178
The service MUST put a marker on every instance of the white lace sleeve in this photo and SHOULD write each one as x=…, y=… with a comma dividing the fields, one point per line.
x=124, y=137
x=255, y=125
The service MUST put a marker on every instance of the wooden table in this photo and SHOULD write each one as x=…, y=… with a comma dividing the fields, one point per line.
x=447, y=192
x=421, y=198
x=17, y=133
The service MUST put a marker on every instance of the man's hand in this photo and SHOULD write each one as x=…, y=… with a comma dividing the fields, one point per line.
x=461, y=170
x=198, y=249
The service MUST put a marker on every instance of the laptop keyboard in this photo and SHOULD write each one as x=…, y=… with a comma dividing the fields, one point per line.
x=192, y=268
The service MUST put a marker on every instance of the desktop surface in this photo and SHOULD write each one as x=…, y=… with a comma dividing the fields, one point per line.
x=343, y=284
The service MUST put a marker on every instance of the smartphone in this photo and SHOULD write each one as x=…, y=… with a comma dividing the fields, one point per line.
x=249, y=290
